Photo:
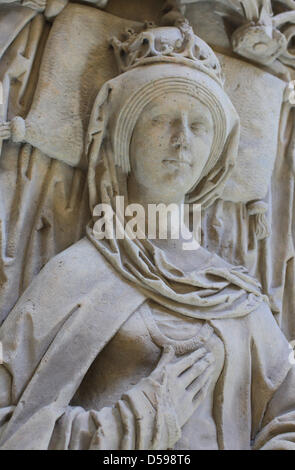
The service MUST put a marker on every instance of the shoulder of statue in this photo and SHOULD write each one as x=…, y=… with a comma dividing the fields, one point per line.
x=79, y=266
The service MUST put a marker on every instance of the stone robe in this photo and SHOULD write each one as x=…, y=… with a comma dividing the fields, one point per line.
x=68, y=315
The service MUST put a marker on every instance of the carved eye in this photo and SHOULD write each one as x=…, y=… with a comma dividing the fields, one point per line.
x=161, y=119
x=198, y=128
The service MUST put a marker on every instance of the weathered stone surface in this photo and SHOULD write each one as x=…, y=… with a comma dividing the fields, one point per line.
x=111, y=339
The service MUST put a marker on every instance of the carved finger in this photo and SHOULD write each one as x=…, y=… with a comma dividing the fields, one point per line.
x=201, y=395
x=198, y=384
x=167, y=356
x=5, y=131
x=5, y=134
x=191, y=374
x=186, y=362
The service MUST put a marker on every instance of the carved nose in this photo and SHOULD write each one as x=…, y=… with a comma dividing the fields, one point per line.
x=179, y=140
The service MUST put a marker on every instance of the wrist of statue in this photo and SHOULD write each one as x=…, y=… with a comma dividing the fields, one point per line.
x=38, y=5
x=167, y=429
x=154, y=401
x=18, y=129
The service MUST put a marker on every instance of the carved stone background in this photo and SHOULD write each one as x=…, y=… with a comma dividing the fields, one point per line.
x=44, y=200
x=54, y=58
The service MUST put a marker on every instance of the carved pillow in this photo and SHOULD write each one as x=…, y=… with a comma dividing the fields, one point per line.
x=77, y=60
x=257, y=96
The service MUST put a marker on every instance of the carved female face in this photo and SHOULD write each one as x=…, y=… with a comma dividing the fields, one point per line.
x=171, y=144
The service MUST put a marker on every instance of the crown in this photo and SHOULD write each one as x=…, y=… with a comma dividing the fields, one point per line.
x=176, y=44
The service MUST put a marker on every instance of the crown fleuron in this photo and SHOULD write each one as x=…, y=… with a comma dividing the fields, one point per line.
x=177, y=44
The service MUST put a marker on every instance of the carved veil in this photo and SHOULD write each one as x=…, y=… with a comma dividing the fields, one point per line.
x=114, y=116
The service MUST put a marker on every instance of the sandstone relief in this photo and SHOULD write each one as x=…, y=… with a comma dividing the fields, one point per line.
x=147, y=267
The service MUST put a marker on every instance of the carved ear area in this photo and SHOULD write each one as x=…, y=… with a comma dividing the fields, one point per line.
x=95, y=136
x=227, y=159
x=212, y=184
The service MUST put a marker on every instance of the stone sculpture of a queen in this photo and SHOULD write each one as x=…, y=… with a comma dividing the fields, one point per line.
x=124, y=343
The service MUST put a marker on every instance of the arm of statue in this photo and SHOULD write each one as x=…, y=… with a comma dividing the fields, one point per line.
x=40, y=5
x=278, y=425
x=17, y=131
x=14, y=130
x=273, y=385
x=149, y=416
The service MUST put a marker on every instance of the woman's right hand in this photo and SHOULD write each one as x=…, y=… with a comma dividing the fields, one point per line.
x=5, y=130
x=14, y=130
x=186, y=379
